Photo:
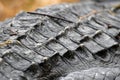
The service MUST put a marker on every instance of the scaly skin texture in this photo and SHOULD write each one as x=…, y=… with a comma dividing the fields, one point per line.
x=62, y=42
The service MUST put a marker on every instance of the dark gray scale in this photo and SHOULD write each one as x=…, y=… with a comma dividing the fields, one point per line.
x=68, y=15
x=110, y=16
x=113, y=28
x=54, y=26
x=105, y=55
x=4, y=30
x=42, y=50
x=94, y=33
x=115, y=49
x=107, y=42
x=83, y=52
x=28, y=42
x=118, y=37
x=54, y=66
x=27, y=53
x=97, y=47
x=9, y=72
x=44, y=29
x=62, y=23
x=54, y=45
x=8, y=29
x=85, y=30
x=110, y=22
x=58, y=65
x=4, y=34
x=75, y=60
x=113, y=17
x=98, y=25
x=114, y=32
x=104, y=40
x=66, y=42
x=26, y=21
x=16, y=61
x=11, y=32
x=36, y=36
x=91, y=45
x=74, y=36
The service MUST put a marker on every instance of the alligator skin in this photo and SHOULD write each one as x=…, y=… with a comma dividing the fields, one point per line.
x=62, y=42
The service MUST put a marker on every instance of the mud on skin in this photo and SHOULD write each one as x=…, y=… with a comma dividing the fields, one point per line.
x=62, y=42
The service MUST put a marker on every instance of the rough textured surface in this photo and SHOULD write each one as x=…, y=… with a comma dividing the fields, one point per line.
x=62, y=42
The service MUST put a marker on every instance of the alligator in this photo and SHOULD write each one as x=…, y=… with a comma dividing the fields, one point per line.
x=78, y=41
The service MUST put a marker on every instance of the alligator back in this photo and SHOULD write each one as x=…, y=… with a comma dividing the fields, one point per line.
x=62, y=42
